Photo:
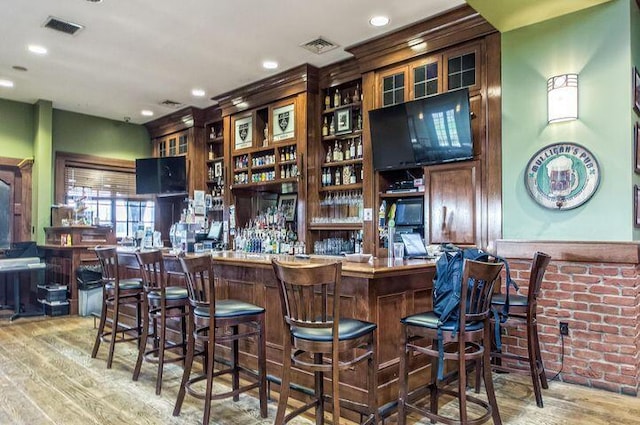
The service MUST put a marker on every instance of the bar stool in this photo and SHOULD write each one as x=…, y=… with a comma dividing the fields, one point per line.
x=116, y=293
x=312, y=333
x=208, y=315
x=462, y=341
x=523, y=312
x=162, y=303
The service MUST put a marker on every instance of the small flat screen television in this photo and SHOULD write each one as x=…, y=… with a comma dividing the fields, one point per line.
x=431, y=130
x=161, y=176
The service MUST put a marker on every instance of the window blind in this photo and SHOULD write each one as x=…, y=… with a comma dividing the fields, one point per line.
x=100, y=183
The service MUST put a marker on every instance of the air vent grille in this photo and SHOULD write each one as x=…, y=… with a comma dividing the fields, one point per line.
x=171, y=104
x=62, y=26
x=319, y=46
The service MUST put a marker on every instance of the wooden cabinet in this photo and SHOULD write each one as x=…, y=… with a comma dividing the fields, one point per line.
x=453, y=203
x=182, y=133
x=336, y=200
x=264, y=144
x=215, y=178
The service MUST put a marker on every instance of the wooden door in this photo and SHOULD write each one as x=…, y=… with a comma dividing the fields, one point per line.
x=7, y=210
x=453, y=198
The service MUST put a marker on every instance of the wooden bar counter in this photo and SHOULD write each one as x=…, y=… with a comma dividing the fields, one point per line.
x=380, y=291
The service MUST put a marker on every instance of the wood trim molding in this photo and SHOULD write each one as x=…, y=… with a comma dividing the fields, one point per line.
x=582, y=251
x=177, y=121
x=439, y=32
x=339, y=73
x=303, y=78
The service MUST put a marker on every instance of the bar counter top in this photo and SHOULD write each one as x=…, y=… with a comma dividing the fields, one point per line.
x=375, y=268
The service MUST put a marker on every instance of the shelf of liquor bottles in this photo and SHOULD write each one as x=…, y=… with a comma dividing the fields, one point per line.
x=275, y=164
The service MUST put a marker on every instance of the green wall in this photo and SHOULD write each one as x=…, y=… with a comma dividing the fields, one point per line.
x=594, y=43
x=39, y=131
x=85, y=134
x=16, y=129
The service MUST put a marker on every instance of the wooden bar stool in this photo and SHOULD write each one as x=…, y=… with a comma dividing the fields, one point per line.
x=208, y=315
x=162, y=303
x=315, y=342
x=467, y=339
x=523, y=312
x=116, y=293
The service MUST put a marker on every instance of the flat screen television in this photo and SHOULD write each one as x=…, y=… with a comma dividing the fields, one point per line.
x=161, y=176
x=432, y=130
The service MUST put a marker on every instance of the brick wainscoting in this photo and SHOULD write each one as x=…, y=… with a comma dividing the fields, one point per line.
x=595, y=288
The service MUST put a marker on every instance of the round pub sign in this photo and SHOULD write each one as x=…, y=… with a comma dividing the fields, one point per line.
x=562, y=176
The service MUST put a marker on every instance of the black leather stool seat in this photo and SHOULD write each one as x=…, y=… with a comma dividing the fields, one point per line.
x=171, y=293
x=230, y=308
x=514, y=300
x=126, y=284
x=347, y=329
x=430, y=320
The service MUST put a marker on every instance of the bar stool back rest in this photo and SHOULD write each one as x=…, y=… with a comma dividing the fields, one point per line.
x=301, y=307
x=524, y=312
x=310, y=300
x=199, y=276
x=116, y=293
x=154, y=276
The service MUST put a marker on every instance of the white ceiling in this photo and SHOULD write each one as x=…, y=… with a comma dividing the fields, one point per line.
x=133, y=54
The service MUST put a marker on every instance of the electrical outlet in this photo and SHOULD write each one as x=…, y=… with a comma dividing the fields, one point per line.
x=564, y=328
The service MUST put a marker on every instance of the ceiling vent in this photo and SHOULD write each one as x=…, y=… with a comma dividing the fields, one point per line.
x=172, y=104
x=319, y=46
x=62, y=26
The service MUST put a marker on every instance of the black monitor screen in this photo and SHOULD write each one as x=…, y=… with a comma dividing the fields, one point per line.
x=390, y=138
x=161, y=175
x=409, y=212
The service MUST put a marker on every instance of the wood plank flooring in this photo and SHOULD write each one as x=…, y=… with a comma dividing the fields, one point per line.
x=48, y=377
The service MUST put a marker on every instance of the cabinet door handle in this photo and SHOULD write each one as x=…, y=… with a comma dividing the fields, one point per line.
x=444, y=217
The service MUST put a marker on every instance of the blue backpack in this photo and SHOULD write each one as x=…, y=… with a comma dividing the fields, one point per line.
x=446, y=291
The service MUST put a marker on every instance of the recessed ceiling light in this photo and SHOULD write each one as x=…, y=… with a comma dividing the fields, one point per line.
x=94, y=1
x=198, y=92
x=38, y=50
x=379, y=21
x=147, y=113
x=6, y=83
x=269, y=64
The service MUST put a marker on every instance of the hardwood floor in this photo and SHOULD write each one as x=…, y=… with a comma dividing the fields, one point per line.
x=48, y=377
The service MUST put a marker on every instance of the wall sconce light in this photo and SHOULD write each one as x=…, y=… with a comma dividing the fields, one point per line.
x=562, y=98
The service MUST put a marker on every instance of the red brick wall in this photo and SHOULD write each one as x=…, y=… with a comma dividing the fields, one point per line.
x=601, y=304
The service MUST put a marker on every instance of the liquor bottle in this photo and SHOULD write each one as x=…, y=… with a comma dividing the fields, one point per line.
x=359, y=123
x=336, y=156
x=352, y=149
x=327, y=102
x=356, y=94
x=329, y=154
x=347, y=151
x=336, y=99
x=337, y=177
x=282, y=155
x=210, y=152
x=352, y=176
x=287, y=155
x=359, y=148
x=332, y=128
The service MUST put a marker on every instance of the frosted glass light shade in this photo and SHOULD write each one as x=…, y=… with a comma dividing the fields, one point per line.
x=562, y=98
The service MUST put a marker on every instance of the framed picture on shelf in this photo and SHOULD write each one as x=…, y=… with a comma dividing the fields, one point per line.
x=287, y=204
x=636, y=90
x=217, y=169
x=343, y=122
x=243, y=134
x=284, y=122
x=636, y=205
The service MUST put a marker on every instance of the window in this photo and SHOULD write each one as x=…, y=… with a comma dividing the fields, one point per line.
x=393, y=89
x=103, y=194
x=462, y=71
x=425, y=79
